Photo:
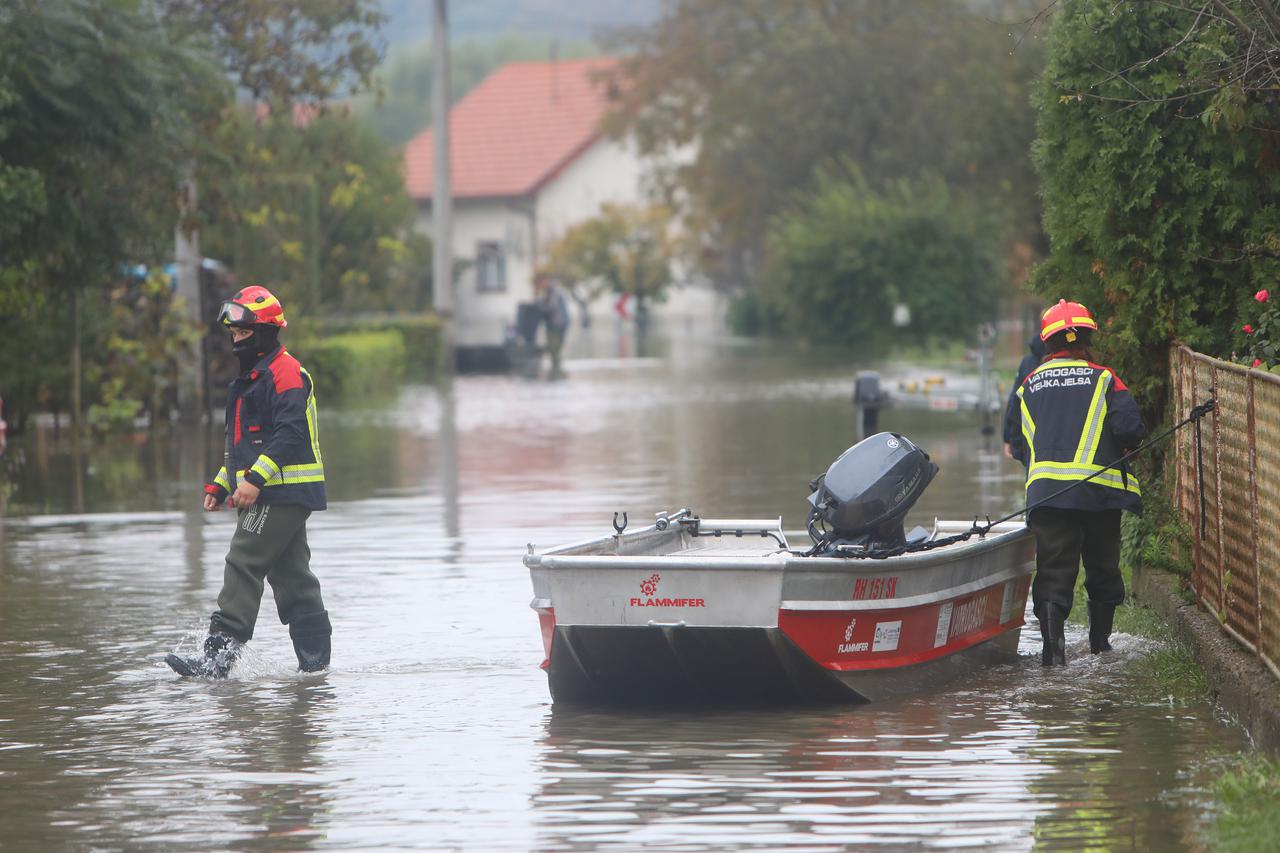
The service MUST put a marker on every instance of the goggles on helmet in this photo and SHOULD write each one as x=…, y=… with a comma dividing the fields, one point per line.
x=235, y=314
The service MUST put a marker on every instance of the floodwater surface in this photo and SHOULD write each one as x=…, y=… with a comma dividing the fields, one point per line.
x=435, y=730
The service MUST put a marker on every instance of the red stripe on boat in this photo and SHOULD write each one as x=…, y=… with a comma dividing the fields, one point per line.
x=547, y=622
x=849, y=640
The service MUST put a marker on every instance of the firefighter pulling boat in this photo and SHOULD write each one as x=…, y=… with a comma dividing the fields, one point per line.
x=694, y=610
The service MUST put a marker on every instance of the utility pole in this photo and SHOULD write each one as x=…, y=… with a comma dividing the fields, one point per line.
x=186, y=252
x=442, y=191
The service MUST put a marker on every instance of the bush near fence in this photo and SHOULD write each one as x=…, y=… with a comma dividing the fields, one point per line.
x=1236, y=563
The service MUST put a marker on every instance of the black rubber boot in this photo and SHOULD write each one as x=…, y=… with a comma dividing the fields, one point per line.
x=220, y=653
x=311, y=641
x=1053, y=633
x=1100, y=619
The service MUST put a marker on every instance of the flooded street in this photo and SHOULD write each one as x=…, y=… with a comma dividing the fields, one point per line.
x=435, y=730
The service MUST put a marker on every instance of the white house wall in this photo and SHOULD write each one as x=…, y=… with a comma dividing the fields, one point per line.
x=613, y=172
x=482, y=319
x=608, y=171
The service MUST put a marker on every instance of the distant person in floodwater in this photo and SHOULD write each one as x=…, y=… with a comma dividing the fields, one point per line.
x=1077, y=420
x=555, y=314
x=1013, y=408
x=274, y=478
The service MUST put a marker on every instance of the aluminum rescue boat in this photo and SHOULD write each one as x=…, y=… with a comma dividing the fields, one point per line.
x=692, y=610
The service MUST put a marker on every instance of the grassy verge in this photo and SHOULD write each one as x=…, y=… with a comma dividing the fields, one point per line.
x=1249, y=797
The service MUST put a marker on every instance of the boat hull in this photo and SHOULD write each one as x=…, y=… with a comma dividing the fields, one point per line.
x=643, y=666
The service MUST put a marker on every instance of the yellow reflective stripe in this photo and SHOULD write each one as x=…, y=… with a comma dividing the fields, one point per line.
x=266, y=303
x=311, y=472
x=294, y=474
x=1093, y=419
x=1084, y=321
x=1075, y=471
x=1060, y=362
x=313, y=422
x=268, y=464
x=220, y=479
x=1114, y=482
x=1052, y=327
x=265, y=467
x=1028, y=427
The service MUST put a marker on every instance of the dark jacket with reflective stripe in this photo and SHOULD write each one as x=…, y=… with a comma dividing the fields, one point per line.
x=1077, y=418
x=273, y=434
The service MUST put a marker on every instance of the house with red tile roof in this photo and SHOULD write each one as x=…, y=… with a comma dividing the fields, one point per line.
x=529, y=160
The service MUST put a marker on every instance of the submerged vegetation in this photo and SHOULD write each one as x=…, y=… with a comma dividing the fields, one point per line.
x=1249, y=793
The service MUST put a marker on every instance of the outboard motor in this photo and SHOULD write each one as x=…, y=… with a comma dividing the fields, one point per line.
x=859, y=503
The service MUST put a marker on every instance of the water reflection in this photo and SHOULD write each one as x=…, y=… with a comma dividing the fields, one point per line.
x=905, y=773
x=278, y=764
x=1015, y=755
x=435, y=730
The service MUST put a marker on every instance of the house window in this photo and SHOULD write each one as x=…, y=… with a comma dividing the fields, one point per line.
x=491, y=267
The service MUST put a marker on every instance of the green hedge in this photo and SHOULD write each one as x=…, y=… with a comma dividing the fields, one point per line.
x=423, y=338
x=372, y=353
x=354, y=363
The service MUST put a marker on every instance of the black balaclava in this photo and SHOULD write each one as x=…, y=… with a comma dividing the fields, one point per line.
x=248, y=351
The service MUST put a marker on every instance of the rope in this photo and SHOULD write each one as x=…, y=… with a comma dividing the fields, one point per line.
x=824, y=545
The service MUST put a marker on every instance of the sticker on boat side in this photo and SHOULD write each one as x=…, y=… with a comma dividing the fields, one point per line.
x=887, y=634
x=944, y=625
x=1006, y=603
x=968, y=616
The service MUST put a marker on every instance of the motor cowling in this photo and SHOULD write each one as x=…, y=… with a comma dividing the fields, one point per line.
x=863, y=497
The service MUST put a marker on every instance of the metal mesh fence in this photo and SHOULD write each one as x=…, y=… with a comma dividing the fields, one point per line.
x=1236, y=559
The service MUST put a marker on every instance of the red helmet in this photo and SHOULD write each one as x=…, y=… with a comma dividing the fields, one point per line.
x=1065, y=315
x=253, y=304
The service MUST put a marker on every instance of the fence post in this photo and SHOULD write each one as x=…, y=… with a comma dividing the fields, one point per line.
x=1217, y=473
x=1180, y=438
x=1254, y=515
x=1198, y=569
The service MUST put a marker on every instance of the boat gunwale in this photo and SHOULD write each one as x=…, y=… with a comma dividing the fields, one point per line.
x=779, y=560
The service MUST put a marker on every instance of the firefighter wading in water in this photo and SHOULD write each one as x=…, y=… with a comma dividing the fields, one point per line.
x=274, y=478
x=1077, y=419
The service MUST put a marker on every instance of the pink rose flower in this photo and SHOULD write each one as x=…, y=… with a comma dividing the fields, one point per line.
x=1248, y=330
x=1262, y=296
x=1257, y=362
